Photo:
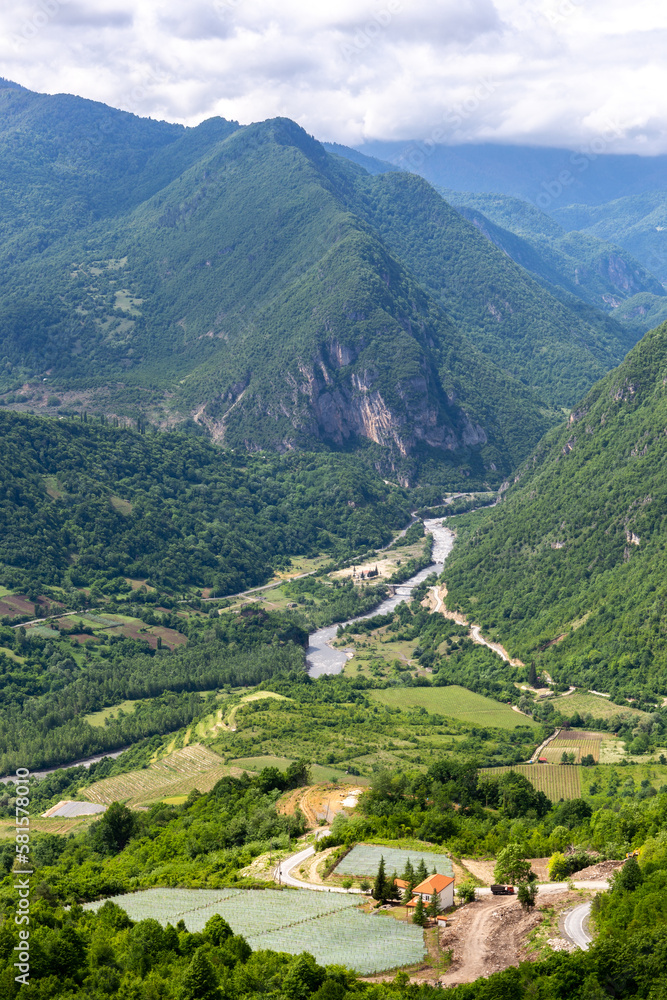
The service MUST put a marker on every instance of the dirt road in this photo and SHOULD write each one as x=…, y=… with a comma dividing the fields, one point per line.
x=486, y=936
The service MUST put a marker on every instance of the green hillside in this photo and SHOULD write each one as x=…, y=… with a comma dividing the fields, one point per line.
x=506, y=314
x=570, y=569
x=592, y=269
x=89, y=505
x=637, y=222
x=279, y=296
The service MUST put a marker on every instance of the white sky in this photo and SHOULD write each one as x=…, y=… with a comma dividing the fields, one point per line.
x=546, y=72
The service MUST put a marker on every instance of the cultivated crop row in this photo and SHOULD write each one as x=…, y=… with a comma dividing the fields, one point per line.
x=364, y=859
x=555, y=781
x=328, y=925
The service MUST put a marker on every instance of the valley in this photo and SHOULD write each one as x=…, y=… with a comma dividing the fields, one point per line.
x=332, y=539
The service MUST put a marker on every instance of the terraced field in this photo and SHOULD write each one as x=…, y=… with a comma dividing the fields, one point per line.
x=328, y=925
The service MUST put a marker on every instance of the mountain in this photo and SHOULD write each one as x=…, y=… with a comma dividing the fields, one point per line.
x=637, y=222
x=580, y=264
x=547, y=177
x=280, y=296
x=570, y=569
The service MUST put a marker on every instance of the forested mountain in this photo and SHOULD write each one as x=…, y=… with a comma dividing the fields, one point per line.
x=593, y=270
x=570, y=569
x=637, y=222
x=280, y=296
x=85, y=503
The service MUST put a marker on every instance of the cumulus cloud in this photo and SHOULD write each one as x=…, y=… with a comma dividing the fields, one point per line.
x=548, y=72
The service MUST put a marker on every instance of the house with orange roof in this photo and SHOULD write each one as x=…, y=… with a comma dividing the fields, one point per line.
x=440, y=885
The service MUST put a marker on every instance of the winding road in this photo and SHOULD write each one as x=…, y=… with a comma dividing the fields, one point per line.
x=285, y=868
x=576, y=923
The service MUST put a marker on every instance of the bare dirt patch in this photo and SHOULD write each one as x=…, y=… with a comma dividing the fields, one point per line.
x=320, y=802
x=603, y=870
x=483, y=870
x=492, y=934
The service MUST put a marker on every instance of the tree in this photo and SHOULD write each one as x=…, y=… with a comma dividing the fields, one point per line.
x=532, y=674
x=380, y=884
x=297, y=774
x=630, y=876
x=432, y=908
x=526, y=894
x=304, y=977
x=419, y=916
x=422, y=870
x=200, y=981
x=466, y=891
x=588, y=760
x=115, y=829
x=511, y=866
x=558, y=867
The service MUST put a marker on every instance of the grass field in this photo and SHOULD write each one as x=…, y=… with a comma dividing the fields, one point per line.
x=364, y=859
x=100, y=718
x=555, y=781
x=593, y=704
x=12, y=655
x=328, y=925
x=455, y=702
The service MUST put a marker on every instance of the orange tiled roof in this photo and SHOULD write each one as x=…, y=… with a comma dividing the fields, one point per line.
x=434, y=883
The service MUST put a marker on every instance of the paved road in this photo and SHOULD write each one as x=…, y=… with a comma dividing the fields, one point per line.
x=285, y=868
x=575, y=926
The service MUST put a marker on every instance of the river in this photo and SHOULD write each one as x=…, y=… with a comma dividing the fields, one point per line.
x=321, y=656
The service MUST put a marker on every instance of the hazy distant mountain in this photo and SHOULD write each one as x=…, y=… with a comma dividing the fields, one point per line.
x=598, y=272
x=549, y=178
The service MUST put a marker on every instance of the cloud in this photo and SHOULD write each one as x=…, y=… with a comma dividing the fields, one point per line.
x=552, y=72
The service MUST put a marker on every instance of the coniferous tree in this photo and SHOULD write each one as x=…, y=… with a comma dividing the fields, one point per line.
x=419, y=916
x=532, y=674
x=380, y=884
x=432, y=908
x=422, y=870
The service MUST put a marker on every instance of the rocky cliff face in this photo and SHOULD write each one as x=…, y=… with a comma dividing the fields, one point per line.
x=337, y=398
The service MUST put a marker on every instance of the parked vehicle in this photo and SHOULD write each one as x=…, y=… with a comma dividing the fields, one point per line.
x=502, y=890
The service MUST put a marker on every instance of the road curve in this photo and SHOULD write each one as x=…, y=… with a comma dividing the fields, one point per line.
x=575, y=926
x=283, y=874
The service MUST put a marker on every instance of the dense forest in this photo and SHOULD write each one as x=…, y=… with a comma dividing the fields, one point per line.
x=86, y=503
x=569, y=570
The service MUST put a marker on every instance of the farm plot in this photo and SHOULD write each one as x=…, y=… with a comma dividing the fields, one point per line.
x=193, y=767
x=580, y=744
x=555, y=781
x=364, y=859
x=455, y=702
x=329, y=926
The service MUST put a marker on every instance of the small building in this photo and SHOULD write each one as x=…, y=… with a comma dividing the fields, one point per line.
x=440, y=885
